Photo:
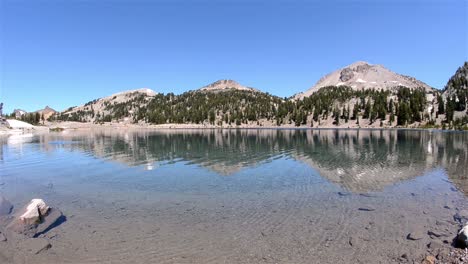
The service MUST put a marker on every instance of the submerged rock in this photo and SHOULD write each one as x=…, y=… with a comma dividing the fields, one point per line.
x=36, y=245
x=36, y=218
x=462, y=237
x=416, y=235
x=366, y=209
x=5, y=206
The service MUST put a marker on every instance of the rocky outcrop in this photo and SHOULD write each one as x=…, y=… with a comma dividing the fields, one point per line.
x=346, y=75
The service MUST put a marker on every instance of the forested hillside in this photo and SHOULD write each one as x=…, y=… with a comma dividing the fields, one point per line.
x=331, y=106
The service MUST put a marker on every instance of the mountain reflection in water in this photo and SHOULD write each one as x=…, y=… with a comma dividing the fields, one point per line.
x=357, y=160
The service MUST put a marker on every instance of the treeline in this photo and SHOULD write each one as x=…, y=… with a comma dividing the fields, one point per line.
x=32, y=118
x=399, y=107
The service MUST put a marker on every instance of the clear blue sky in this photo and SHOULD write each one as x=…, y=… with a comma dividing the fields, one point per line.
x=65, y=53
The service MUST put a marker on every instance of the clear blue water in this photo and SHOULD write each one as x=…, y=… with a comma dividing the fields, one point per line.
x=172, y=196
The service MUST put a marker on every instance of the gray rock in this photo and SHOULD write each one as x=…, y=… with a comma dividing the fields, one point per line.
x=2, y=237
x=415, y=235
x=344, y=193
x=5, y=206
x=435, y=245
x=366, y=209
x=436, y=233
x=36, y=245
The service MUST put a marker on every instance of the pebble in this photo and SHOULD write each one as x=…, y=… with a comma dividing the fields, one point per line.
x=366, y=209
x=343, y=193
x=436, y=233
x=416, y=235
x=429, y=260
x=434, y=245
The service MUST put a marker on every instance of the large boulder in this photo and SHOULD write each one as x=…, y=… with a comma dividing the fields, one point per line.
x=5, y=206
x=462, y=237
x=36, y=218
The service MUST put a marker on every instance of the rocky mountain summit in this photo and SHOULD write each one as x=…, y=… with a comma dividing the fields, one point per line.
x=224, y=85
x=363, y=75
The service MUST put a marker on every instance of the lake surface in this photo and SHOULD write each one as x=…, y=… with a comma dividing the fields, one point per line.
x=239, y=196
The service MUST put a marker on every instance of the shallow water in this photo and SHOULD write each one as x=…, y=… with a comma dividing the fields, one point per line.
x=238, y=196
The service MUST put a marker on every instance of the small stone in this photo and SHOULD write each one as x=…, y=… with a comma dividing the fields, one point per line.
x=429, y=260
x=436, y=233
x=447, y=207
x=351, y=241
x=416, y=235
x=367, y=195
x=366, y=209
x=343, y=193
x=36, y=245
x=434, y=245
x=2, y=237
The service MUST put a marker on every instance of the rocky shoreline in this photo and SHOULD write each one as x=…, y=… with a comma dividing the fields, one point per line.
x=25, y=231
x=59, y=126
x=71, y=125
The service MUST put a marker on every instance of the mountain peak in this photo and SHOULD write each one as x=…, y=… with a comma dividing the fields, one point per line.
x=226, y=84
x=358, y=63
x=363, y=75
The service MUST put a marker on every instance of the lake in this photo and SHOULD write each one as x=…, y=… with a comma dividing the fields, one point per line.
x=239, y=196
